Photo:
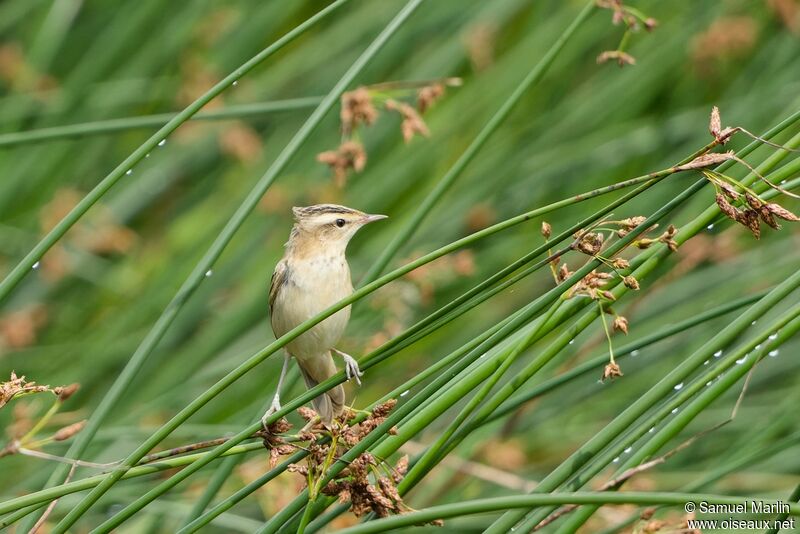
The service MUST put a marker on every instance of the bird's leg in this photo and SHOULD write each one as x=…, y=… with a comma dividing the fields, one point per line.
x=350, y=366
x=276, y=400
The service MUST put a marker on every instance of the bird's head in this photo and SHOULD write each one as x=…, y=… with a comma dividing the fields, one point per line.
x=331, y=224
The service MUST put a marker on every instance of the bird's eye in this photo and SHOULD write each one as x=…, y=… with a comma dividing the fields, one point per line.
x=340, y=222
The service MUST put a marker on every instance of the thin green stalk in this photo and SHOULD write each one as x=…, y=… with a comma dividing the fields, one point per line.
x=463, y=385
x=533, y=77
x=756, y=456
x=72, y=131
x=227, y=234
x=664, y=387
x=515, y=402
x=430, y=455
x=221, y=474
x=42, y=497
x=240, y=494
x=12, y=518
x=234, y=375
x=24, y=266
x=377, y=355
x=619, y=424
x=649, y=264
x=594, y=364
x=787, y=324
x=483, y=506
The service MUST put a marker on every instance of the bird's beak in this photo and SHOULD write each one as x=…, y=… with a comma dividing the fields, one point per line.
x=373, y=218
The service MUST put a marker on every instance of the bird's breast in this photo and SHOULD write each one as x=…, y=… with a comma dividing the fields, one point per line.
x=313, y=285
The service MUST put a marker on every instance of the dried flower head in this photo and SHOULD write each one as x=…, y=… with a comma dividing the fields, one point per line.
x=632, y=222
x=706, y=160
x=611, y=370
x=722, y=135
x=564, y=272
x=546, y=230
x=69, y=431
x=590, y=243
x=349, y=155
x=750, y=219
x=18, y=386
x=620, y=263
x=65, y=392
x=783, y=213
x=412, y=121
x=630, y=282
x=726, y=207
x=357, y=108
x=621, y=324
x=728, y=190
x=307, y=413
x=667, y=238
x=428, y=95
x=622, y=58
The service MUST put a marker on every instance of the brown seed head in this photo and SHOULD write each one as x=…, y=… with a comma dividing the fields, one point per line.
x=715, y=122
x=69, y=431
x=766, y=216
x=357, y=108
x=611, y=370
x=65, y=392
x=349, y=155
x=729, y=190
x=726, y=207
x=783, y=213
x=621, y=324
x=622, y=58
x=752, y=200
x=546, y=230
x=630, y=282
x=412, y=121
x=750, y=219
x=428, y=95
x=620, y=263
x=632, y=222
x=382, y=410
x=563, y=272
x=706, y=160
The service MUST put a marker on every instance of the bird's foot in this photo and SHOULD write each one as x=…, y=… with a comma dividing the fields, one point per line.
x=351, y=368
x=274, y=407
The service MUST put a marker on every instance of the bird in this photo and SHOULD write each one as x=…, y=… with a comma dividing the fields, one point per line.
x=312, y=275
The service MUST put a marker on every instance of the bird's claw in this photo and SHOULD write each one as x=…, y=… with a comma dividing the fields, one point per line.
x=351, y=368
x=274, y=407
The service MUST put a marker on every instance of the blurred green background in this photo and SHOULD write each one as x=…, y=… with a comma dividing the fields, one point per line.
x=80, y=315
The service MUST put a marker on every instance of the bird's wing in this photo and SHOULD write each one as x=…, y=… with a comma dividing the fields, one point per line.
x=279, y=278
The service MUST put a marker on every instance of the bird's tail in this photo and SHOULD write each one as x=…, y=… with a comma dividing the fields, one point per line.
x=316, y=370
